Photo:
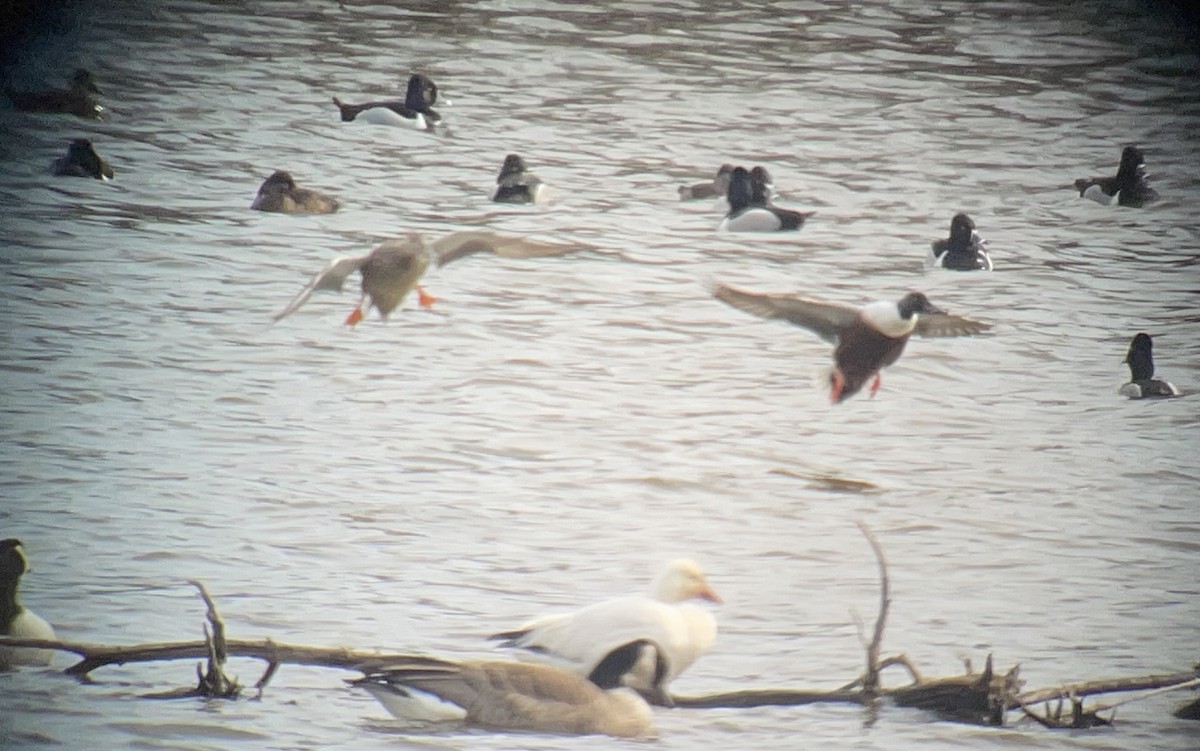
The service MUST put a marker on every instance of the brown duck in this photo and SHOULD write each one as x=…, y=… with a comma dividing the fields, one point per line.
x=394, y=269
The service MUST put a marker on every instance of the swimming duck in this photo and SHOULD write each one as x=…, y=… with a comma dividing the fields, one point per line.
x=717, y=187
x=17, y=620
x=964, y=250
x=749, y=207
x=868, y=339
x=590, y=641
x=515, y=183
x=1142, y=383
x=762, y=186
x=507, y=696
x=81, y=160
x=76, y=100
x=415, y=111
x=394, y=268
x=1129, y=186
x=279, y=193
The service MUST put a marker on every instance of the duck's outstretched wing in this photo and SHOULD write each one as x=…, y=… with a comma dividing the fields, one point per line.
x=458, y=245
x=944, y=324
x=825, y=319
x=332, y=277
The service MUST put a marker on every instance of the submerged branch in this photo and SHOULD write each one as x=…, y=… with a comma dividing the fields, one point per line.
x=979, y=698
x=100, y=655
x=1105, y=686
x=870, y=680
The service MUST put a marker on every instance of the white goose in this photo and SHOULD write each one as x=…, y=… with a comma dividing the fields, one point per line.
x=16, y=620
x=601, y=639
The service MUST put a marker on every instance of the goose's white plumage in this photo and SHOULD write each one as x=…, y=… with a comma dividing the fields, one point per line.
x=669, y=618
x=16, y=620
x=506, y=695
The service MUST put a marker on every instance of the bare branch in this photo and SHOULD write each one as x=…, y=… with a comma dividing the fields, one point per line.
x=870, y=681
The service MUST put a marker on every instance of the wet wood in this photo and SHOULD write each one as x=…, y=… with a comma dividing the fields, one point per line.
x=979, y=698
x=94, y=656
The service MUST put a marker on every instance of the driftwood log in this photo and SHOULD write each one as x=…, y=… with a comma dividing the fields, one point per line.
x=984, y=698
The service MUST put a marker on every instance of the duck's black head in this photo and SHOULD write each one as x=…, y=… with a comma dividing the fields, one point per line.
x=513, y=165
x=280, y=180
x=83, y=79
x=82, y=153
x=81, y=149
x=962, y=228
x=1141, y=358
x=421, y=94
x=721, y=181
x=1132, y=161
x=915, y=302
x=741, y=189
x=760, y=182
x=12, y=560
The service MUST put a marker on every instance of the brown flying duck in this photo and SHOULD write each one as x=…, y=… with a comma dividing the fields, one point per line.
x=394, y=268
x=867, y=339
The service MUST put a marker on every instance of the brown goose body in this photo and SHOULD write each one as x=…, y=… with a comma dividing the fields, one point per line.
x=510, y=696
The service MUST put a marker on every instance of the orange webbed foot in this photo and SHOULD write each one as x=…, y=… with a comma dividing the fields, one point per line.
x=424, y=299
x=837, y=384
x=355, y=316
x=876, y=384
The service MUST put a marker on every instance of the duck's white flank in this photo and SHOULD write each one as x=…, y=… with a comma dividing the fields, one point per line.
x=1098, y=195
x=387, y=116
x=750, y=220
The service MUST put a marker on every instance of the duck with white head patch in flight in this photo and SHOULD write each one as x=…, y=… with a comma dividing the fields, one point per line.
x=867, y=339
x=662, y=633
x=16, y=620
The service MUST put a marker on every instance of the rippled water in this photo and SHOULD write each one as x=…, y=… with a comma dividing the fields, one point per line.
x=556, y=429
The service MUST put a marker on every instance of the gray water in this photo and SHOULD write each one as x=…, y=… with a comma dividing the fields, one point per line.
x=556, y=429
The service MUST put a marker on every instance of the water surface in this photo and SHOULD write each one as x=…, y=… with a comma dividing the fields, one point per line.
x=557, y=429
